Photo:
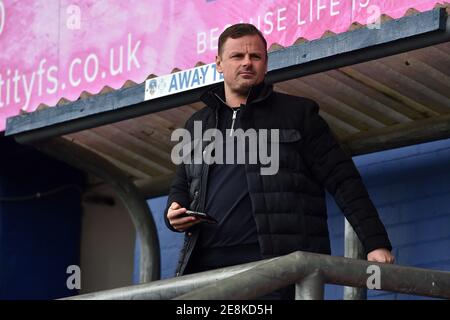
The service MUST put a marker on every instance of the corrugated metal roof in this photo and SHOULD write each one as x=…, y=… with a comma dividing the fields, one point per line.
x=273, y=47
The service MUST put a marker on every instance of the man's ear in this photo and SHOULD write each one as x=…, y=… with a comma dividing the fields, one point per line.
x=219, y=64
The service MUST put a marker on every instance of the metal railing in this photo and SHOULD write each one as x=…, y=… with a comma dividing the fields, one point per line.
x=309, y=271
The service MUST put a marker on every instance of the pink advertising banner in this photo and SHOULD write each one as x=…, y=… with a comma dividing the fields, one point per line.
x=57, y=48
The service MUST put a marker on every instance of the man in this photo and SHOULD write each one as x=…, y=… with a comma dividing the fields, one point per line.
x=261, y=216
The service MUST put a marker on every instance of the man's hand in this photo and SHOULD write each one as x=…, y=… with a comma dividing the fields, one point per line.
x=180, y=223
x=381, y=255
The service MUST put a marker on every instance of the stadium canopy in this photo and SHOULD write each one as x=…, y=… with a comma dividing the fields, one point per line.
x=378, y=88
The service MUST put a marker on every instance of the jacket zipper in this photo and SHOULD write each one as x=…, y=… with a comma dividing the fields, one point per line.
x=204, y=176
x=232, y=123
x=234, y=112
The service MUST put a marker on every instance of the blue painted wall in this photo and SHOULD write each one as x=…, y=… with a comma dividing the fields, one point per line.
x=411, y=189
x=39, y=238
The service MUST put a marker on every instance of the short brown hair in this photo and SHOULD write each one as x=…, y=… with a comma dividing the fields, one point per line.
x=237, y=31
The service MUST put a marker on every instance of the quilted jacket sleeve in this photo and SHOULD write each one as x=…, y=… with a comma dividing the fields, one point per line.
x=178, y=193
x=338, y=174
x=179, y=190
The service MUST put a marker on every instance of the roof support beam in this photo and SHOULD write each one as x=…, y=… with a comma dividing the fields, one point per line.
x=400, y=135
x=133, y=200
x=155, y=187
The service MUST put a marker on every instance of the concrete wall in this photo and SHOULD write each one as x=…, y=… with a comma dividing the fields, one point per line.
x=107, y=243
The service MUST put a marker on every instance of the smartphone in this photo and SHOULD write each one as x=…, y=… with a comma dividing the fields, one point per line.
x=200, y=215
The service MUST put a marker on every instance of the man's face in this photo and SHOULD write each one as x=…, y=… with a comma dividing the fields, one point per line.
x=243, y=63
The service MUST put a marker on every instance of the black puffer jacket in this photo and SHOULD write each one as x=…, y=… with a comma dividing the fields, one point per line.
x=289, y=207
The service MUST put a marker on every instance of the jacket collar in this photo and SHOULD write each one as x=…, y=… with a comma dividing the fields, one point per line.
x=216, y=95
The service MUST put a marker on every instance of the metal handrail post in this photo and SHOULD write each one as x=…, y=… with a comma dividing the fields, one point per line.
x=353, y=249
x=311, y=287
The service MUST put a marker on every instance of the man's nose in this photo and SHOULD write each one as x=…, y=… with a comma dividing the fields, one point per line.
x=246, y=61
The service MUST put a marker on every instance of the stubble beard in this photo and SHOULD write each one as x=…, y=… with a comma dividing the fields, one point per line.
x=244, y=88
